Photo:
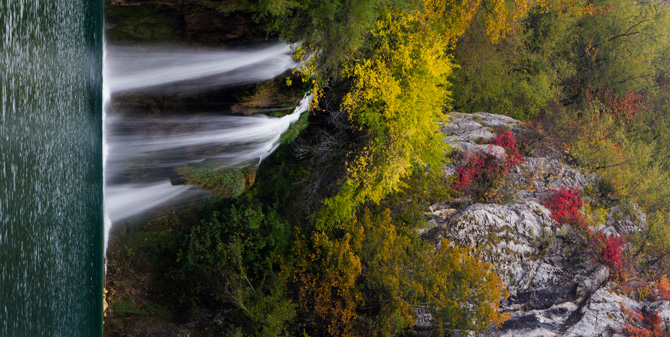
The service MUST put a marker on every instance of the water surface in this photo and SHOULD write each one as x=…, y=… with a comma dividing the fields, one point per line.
x=50, y=168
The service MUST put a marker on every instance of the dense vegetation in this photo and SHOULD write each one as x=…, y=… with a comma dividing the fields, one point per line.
x=324, y=243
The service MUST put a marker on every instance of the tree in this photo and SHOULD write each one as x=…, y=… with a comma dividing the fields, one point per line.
x=335, y=30
x=398, y=95
x=404, y=273
x=325, y=272
x=622, y=48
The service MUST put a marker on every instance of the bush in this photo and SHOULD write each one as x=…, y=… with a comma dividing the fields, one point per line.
x=507, y=141
x=483, y=171
x=643, y=323
x=369, y=281
x=565, y=206
x=232, y=259
x=228, y=182
x=609, y=251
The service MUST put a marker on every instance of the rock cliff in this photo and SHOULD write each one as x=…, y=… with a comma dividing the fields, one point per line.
x=555, y=287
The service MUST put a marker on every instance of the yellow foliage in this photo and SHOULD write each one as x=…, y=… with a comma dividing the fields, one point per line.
x=453, y=17
x=402, y=273
x=398, y=97
x=450, y=17
x=627, y=164
x=464, y=291
x=450, y=282
x=500, y=17
x=326, y=271
x=308, y=73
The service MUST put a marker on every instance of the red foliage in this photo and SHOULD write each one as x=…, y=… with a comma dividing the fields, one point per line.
x=652, y=319
x=626, y=106
x=663, y=287
x=507, y=141
x=643, y=324
x=471, y=172
x=482, y=169
x=610, y=252
x=565, y=206
x=631, y=331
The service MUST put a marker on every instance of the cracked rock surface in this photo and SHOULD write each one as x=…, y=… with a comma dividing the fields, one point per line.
x=555, y=288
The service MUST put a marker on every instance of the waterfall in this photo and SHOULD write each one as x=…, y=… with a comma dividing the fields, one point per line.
x=176, y=140
x=153, y=67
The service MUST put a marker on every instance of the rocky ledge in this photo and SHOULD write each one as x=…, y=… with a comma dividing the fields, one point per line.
x=555, y=287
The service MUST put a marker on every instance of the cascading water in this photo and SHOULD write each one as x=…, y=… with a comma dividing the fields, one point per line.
x=167, y=142
x=133, y=70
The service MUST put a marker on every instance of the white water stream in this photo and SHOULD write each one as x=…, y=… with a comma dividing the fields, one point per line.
x=230, y=141
x=134, y=70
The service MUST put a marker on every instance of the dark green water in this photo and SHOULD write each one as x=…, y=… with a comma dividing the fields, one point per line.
x=50, y=168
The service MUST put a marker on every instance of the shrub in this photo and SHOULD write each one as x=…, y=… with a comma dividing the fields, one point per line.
x=325, y=274
x=507, y=140
x=482, y=171
x=472, y=171
x=565, y=205
x=663, y=287
x=403, y=273
x=609, y=249
x=231, y=259
x=228, y=182
x=643, y=323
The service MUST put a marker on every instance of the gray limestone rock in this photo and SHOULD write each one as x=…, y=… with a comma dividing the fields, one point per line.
x=602, y=314
x=554, y=288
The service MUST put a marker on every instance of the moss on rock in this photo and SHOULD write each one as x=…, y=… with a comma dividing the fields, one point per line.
x=228, y=182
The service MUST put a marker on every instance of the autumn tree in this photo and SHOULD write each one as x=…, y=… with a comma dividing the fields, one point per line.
x=371, y=280
x=398, y=95
x=404, y=273
x=334, y=29
x=522, y=72
x=325, y=274
x=623, y=47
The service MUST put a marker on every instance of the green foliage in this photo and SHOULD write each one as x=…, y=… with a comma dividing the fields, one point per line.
x=404, y=272
x=652, y=244
x=423, y=188
x=228, y=6
x=140, y=24
x=622, y=48
x=390, y=288
x=521, y=73
x=294, y=130
x=622, y=159
x=559, y=55
x=126, y=307
x=229, y=182
x=232, y=258
x=336, y=29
